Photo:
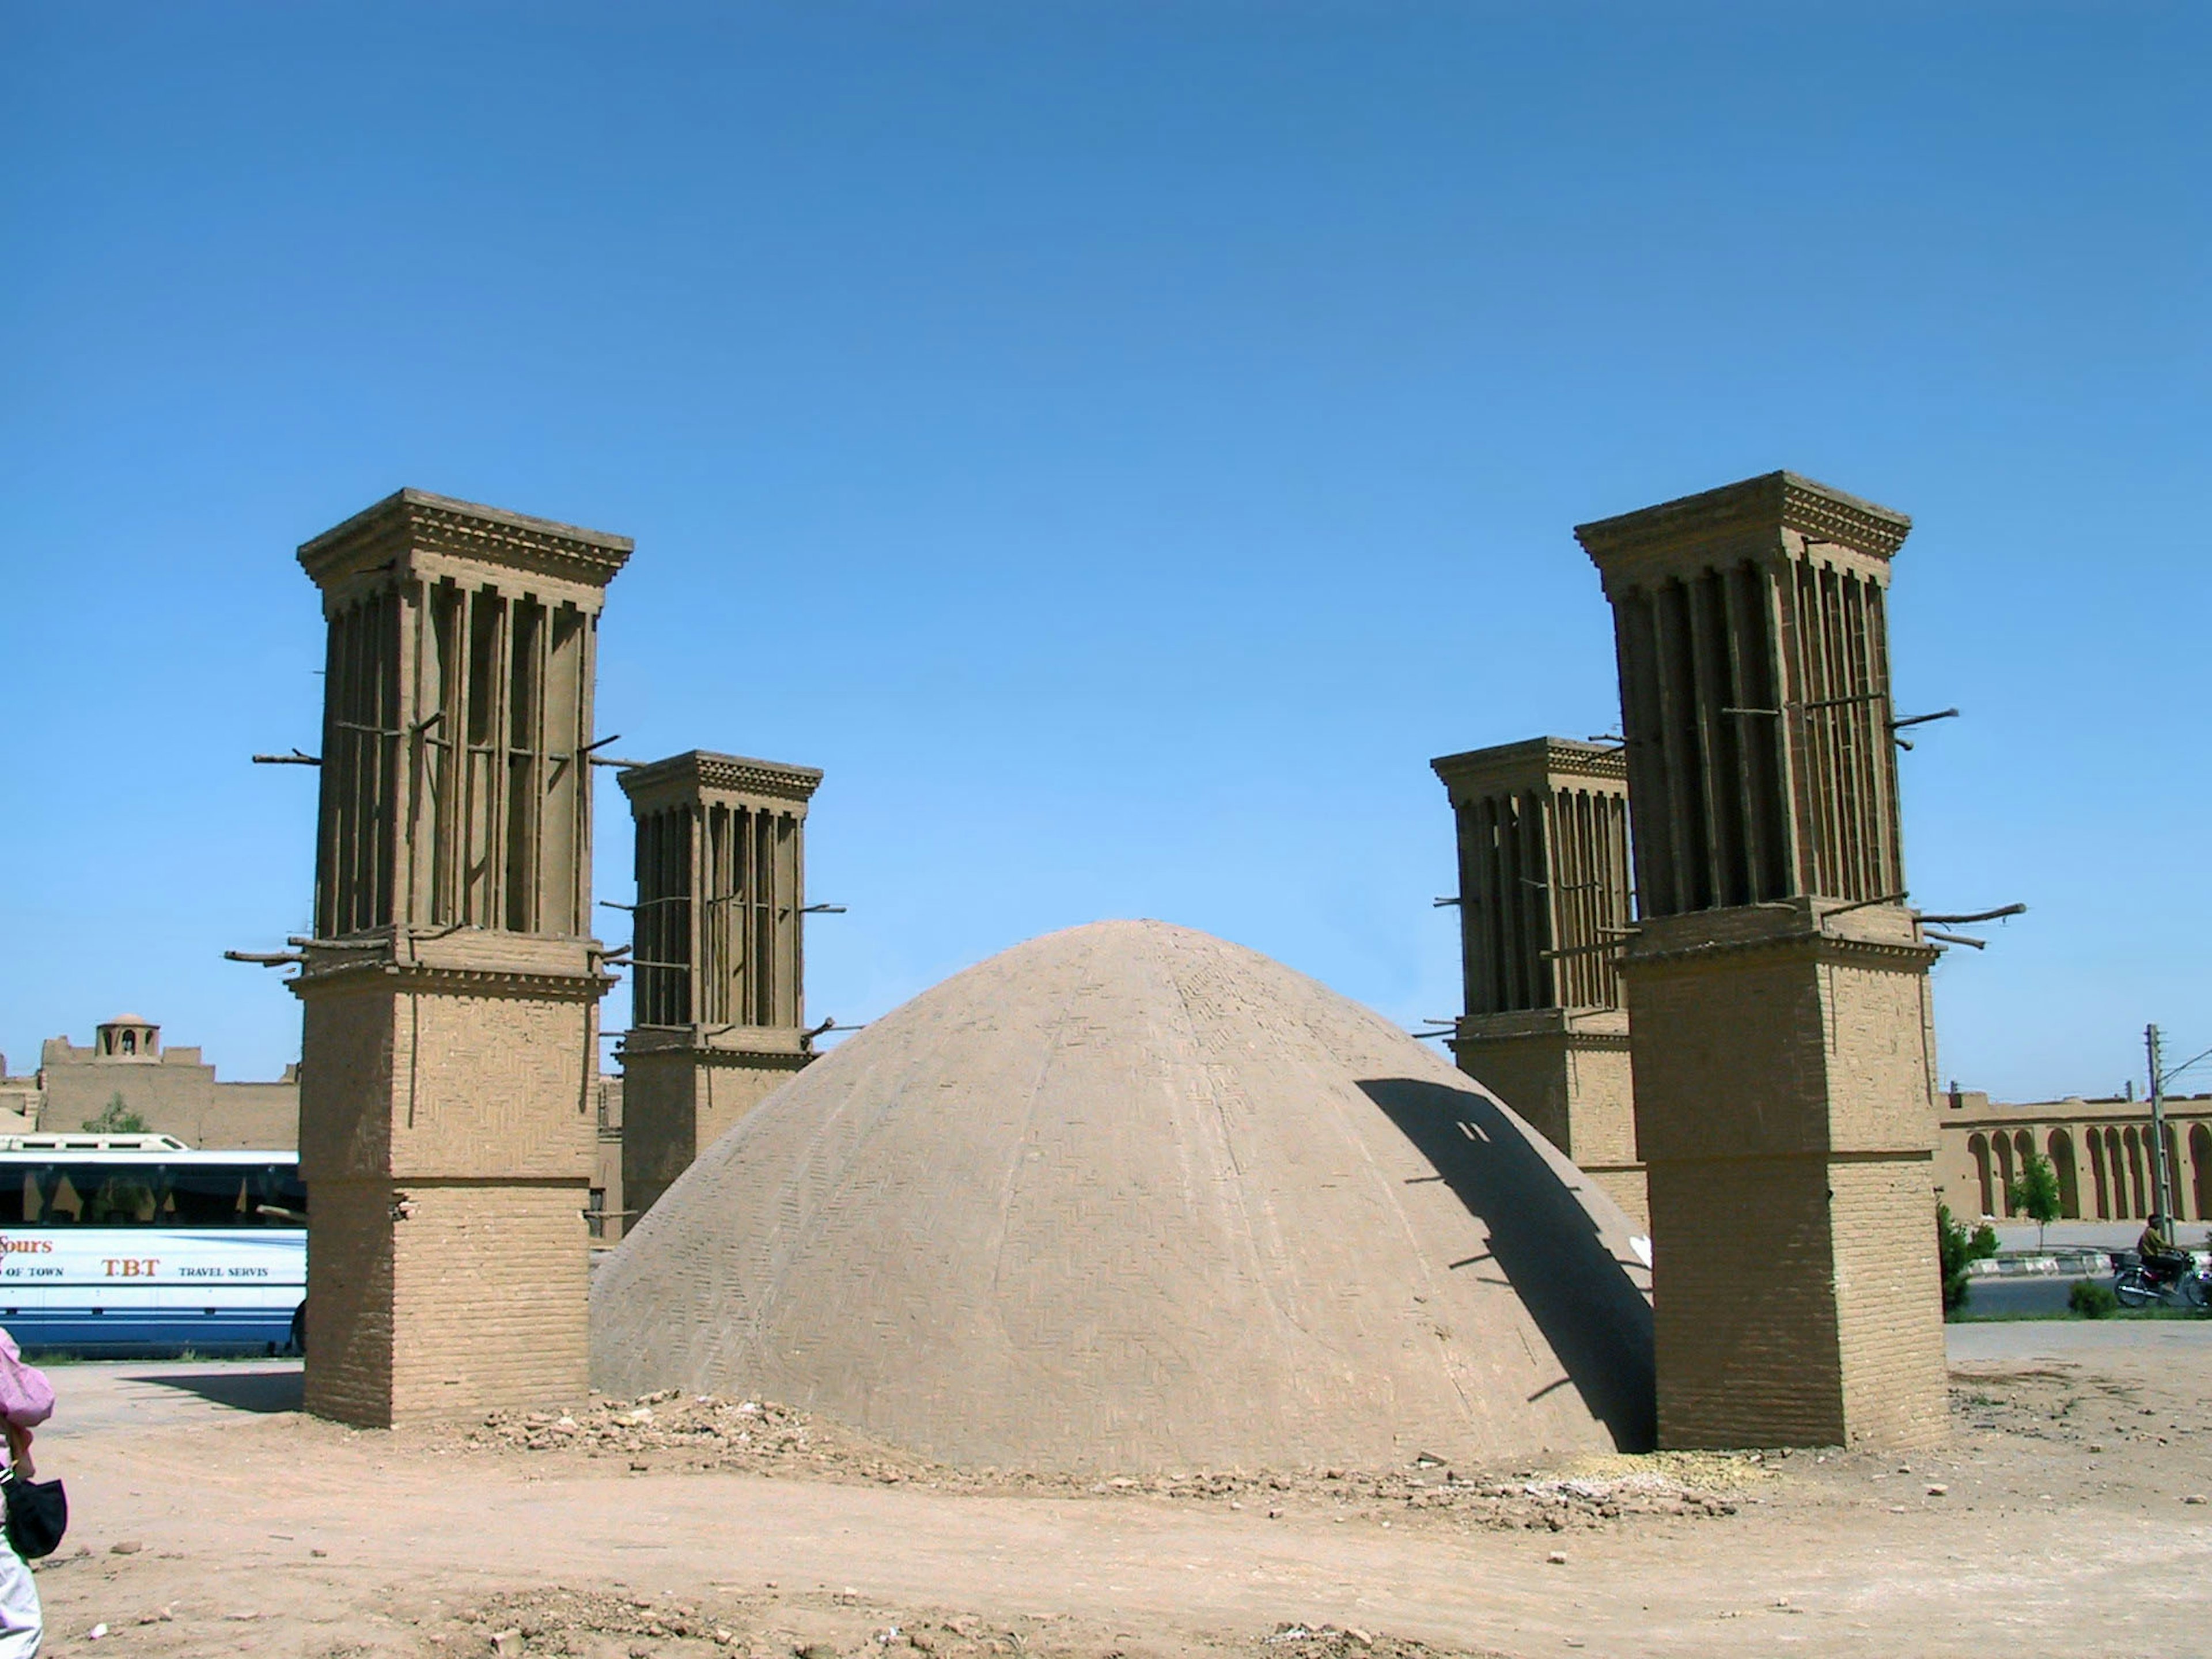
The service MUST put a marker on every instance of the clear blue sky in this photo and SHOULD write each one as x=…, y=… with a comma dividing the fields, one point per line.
x=1120, y=443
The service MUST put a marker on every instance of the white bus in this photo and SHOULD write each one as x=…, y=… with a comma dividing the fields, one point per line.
x=132, y=1245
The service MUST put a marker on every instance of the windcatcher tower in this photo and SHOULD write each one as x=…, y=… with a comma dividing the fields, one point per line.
x=452, y=988
x=1778, y=987
x=1543, y=907
x=718, y=991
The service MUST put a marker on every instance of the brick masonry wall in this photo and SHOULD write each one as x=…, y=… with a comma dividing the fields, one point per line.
x=492, y=1085
x=174, y=1097
x=350, y=1285
x=678, y=1102
x=1730, y=1056
x=1744, y=1308
x=1630, y=1189
x=1880, y=1074
x=1578, y=1095
x=1890, y=1303
x=659, y=1126
x=488, y=1298
x=1529, y=1075
x=1783, y=1100
x=447, y=1144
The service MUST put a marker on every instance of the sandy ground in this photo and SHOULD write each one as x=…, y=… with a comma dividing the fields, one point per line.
x=211, y=1518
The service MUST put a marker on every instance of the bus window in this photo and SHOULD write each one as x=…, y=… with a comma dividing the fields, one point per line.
x=63, y=1203
x=124, y=1199
x=280, y=1197
x=234, y=1195
x=89, y=1195
x=208, y=1196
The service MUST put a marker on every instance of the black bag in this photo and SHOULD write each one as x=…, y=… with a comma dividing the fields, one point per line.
x=38, y=1515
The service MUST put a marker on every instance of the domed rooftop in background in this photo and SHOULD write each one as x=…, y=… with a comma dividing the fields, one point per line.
x=1128, y=1197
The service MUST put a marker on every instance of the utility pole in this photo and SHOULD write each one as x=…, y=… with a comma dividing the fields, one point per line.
x=2158, y=1123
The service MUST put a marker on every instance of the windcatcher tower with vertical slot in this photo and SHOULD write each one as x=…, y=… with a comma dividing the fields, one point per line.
x=1543, y=906
x=452, y=988
x=717, y=961
x=1776, y=984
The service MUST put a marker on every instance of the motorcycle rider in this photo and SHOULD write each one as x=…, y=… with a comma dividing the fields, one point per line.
x=2162, y=1258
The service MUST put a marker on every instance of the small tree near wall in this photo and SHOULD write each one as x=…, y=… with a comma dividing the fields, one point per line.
x=2034, y=1194
x=1955, y=1248
x=115, y=1119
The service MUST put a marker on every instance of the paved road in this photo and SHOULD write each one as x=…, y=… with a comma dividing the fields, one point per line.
x=2028, y=1293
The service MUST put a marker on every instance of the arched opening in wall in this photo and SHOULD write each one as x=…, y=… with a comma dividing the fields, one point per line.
x=130, y=1042
x=2133, y=1143
x=2117, y=1165
x=2097, y=1175
x=2004, y=1174
x=2177, y=1193
x=1980, y=1146
x=2200, y=1168
x=2062, y=1164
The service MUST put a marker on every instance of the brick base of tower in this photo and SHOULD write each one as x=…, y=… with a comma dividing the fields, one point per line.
x=682, y=1090
x=1566, y=1071
x=1784, y=1110
x=446, y=1133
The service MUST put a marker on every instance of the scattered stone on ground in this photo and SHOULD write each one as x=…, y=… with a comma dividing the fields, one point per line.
x=276, y=1534
x=587, y=1625
x=671, y=1430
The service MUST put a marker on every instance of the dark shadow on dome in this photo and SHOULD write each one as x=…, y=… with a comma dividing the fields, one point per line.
x=1543, y=1242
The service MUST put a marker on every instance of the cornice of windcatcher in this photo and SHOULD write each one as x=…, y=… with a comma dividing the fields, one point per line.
x=1540, y=764
x=699, y=773
x=414, y=521
x=1775, y=515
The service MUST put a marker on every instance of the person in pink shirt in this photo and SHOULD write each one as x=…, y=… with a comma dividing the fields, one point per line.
x=27, y=1400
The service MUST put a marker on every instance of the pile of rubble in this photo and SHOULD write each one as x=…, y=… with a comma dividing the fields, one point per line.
x=545, y=1623
x=564, y=1622
x=672, y=1429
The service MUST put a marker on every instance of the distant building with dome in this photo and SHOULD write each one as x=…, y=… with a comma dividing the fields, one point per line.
x=171, y=1090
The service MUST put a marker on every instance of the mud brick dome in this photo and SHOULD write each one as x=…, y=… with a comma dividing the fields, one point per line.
x=1128, y=1197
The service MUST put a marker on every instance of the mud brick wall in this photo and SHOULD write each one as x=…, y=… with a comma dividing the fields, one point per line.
x=678, y=1102
x=1889, y=1302
x=349, y=1302
x=1744, y=1326
x=1785, y=1110
x=1576, y=1089
x=448, y=1145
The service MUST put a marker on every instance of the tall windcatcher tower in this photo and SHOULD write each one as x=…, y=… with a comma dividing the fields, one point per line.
x=1543, y=906
x=1777, y=985
x=452, y=988
x=717, y=1023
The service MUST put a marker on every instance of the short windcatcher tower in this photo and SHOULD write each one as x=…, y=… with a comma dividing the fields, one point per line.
x=1776, y=983
x=452, y=988
x=717, y=955
x=1543, y=905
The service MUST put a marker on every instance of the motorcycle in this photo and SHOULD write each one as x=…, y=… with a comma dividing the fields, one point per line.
x=2138, y=1287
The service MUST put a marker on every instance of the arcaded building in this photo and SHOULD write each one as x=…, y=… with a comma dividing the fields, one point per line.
x=2102, y=1151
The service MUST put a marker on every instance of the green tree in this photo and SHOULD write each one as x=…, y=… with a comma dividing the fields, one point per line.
x=1955, y=1248
x=2034, y=1194
x=115, y=1119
